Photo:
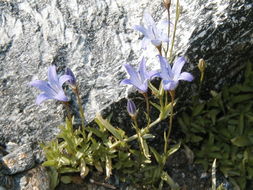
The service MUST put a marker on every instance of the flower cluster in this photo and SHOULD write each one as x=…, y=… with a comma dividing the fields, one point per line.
x=170, y=76
x=109, y=137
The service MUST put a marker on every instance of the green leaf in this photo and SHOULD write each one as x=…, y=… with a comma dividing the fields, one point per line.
x=197, y=110
x=173, y=185
x=54, y=178
x=66, y=179
x=241, y=141
x=195, y=138
x=221, y=187
x=242, y=98
x=52, y=163
x=116, y=133
x=148, y=136
x=68, y=170
x=241, y=124
x=173, y=149
x=158, y=157
x=108, y=167
x=155, y=105
x=214, y=175
x=144, y=148
x=84, y=169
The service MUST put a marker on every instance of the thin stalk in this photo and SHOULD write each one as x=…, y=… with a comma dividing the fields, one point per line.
x=147, y=107
x=175, y=28
x=200, y=86
x=139, y=135
x=142, y=132
x=167, y=48
x=76, y=91
x=166, y=143
x=66, y=104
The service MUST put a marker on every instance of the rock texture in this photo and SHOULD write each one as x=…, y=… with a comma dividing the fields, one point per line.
x=94, y=39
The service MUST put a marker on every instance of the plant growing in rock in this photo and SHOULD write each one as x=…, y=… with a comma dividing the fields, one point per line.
x=105, y=148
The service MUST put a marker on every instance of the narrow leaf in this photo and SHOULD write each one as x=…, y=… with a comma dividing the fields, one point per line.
x=108, y=126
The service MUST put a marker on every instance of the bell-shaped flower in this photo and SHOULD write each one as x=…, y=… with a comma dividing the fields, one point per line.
x=139, y=79
x=172, y=76
x=131, y=108
x=154, y=33
x=51, y=89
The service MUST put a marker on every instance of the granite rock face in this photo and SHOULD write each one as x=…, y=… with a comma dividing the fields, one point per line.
x=94, y=39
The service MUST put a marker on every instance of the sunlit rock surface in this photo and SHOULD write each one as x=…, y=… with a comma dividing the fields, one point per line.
x=94, y=39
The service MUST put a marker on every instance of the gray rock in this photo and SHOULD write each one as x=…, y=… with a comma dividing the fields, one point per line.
x=19, y=160
x=34, y=179
x=94, y=39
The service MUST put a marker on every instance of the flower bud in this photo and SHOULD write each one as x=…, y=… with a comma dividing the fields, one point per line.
x=167, y=4
x=131, y=108
x=202, y=67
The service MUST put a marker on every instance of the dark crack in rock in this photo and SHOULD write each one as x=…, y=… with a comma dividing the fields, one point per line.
x=6, y=182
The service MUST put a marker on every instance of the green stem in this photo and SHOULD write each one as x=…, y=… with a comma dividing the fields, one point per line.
x=76, y=91
x=174, y=32
x=142, y=132
x=166, y=143
x=66, y=104
x=167, y=48
x=200, y=86
x=147, y=107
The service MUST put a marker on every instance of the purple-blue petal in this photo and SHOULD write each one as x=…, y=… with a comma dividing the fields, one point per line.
x=133, y=74
x=144, y=43
x=141, y=29
x=156, y=42
x=148, y=20
x=52, y=76
x=40, y=84
x=61, y=96
x=65, y=78
x=131, y=108
x=142, y=70
x=186, y=76
x=42, y=97
x=70, y=73
x=126, y=81
x=154, y=73
x=164, y=38
x=166, y=72
x=177, y=67
x=170, y=85
x=143, y=88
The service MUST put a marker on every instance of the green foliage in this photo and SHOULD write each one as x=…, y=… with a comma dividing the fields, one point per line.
x=104, y=148
x=222, y=128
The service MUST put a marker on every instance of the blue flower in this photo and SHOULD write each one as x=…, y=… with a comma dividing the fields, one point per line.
x=139, y=79
x=131, y=108
x=172, y=76
x=152, y=33
x=53, y=88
